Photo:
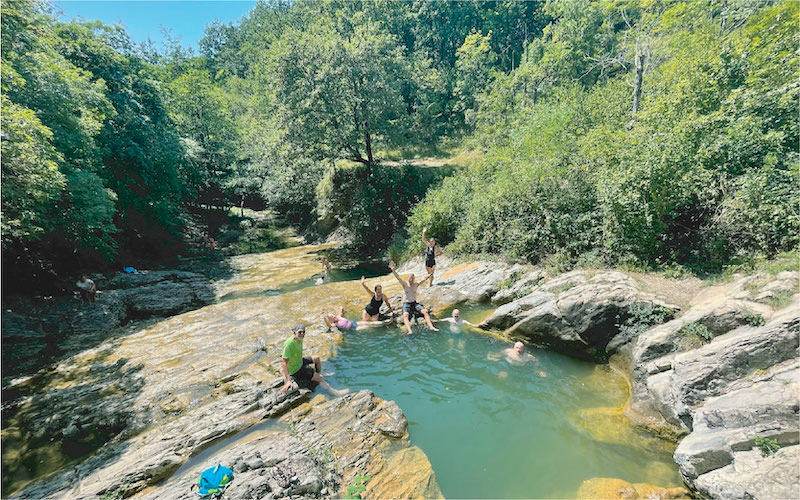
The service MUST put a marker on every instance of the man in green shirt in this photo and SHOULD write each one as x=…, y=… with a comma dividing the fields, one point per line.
x=299, y=369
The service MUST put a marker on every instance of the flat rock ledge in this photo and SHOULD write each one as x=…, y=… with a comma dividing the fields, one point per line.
x=36, y=331
x=317, y=450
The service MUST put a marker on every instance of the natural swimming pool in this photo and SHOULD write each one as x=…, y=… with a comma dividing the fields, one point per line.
x=496, y=430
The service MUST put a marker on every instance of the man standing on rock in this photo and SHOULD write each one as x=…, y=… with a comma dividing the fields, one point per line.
x=410, y=299
x=302, y=370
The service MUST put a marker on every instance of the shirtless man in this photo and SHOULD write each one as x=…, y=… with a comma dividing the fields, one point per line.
x=410, y=299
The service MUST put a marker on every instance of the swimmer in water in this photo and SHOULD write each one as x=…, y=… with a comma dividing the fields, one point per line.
x=456, y=321
x=515, y=355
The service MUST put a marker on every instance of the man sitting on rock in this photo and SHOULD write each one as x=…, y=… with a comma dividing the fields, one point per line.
x=302, y=370
x=410, y=304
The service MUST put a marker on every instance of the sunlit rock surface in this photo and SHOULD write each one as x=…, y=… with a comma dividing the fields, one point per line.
x=726, y=391
x=610, y=488
x=151, y=397
x=575, y=313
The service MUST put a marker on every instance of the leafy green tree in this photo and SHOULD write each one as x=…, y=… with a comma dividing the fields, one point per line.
x=31, y=179
x=338, y=95
x=474, y=63
x=201, y=111
x=141, y=154
x=69, y=107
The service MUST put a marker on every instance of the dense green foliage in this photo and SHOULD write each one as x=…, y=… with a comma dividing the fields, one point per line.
x=704, y=172
x=610, y=132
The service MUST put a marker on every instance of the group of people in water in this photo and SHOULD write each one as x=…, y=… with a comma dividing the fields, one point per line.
x=305, y=370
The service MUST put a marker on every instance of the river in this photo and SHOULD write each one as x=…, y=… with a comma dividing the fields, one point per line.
x=489, y=428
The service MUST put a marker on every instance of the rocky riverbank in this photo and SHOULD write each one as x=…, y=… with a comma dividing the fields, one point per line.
x=41, y=330
x=720, y=375
x=714, y=367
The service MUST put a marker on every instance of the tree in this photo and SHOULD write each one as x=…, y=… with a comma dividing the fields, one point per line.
x=338, y=94
x=474, y=63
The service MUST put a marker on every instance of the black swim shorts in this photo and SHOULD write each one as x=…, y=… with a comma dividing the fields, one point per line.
x=414, y=307
x=306, y=372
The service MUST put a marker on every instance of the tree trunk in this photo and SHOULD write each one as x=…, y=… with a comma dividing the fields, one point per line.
x=637, y=85
x=368, y=143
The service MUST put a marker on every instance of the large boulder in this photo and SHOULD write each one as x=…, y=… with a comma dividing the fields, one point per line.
x=577, y=314
x=737, y=384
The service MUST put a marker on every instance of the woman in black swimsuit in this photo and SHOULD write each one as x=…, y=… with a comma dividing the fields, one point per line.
x=373, y=309
x=431, y=251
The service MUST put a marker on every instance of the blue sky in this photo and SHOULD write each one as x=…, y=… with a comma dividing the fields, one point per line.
x=143, y=18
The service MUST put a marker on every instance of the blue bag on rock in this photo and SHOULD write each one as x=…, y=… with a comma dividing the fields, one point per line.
x=213, y=481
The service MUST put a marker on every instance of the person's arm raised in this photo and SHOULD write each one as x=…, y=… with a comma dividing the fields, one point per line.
x=391, y=266
x=364, y=284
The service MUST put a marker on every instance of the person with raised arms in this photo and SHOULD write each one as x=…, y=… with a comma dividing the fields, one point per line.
x=372, y=310
x=431, y=251
x=410, y=303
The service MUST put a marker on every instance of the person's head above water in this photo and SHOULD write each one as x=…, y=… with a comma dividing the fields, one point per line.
x=456, y=314
x=519, y=347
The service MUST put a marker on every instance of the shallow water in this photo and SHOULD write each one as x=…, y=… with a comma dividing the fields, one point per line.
x=496, y=430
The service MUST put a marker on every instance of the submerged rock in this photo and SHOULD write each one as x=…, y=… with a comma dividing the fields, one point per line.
x=610, y=488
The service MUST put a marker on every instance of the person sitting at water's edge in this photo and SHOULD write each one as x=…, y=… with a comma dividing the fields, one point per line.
x=372, y=311
x=410, y=303
x=87, y=289
x=304, y=371
x=342, y=323
x=431, y=251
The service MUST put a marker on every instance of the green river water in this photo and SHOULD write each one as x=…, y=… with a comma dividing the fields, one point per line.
x=496, y=430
